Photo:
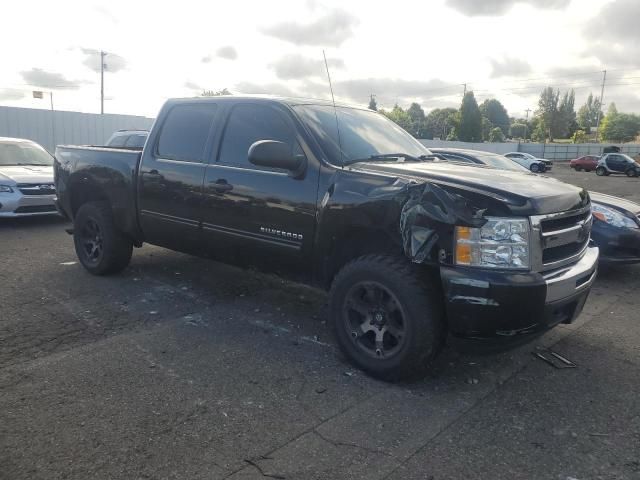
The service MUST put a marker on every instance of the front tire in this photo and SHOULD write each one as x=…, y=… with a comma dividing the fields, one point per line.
x=578, y=169
x=631, y=173
x=601, y=171
x=386, y=319
x=101, y=248
x=535, y=168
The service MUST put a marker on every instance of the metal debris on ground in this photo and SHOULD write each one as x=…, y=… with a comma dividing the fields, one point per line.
x=553, y=358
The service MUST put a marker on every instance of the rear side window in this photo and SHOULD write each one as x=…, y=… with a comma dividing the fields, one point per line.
x=136, y=141
x=249, y=123
x=185, y=132
x=118, y=141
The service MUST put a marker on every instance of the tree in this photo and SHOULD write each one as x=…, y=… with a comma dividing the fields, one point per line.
x=496, y=135
x=548, y=110
x=518, y=130
x=579, y=136
x=212, y=93
x=566, y=119
x=470, y=127
x=487, y=126
x=619, y=127
x=399, y=116
x=588, y=113
x=416, y=113
x=495, y=112
x=373, y=105
x=539, y=133
x=440, y=122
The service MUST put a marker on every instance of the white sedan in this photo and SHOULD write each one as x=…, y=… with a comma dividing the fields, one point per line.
x=26, y=179
x=530, y=162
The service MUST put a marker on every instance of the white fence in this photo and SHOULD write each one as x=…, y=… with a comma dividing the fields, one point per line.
x=58, y=128
x=551, y=151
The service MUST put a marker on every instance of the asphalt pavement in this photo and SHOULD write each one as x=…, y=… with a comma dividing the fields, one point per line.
x=183, y=368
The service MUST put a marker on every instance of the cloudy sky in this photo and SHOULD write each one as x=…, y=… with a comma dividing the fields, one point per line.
x=401, y=51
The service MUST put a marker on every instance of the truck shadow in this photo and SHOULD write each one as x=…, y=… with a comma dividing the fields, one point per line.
x=31, y=223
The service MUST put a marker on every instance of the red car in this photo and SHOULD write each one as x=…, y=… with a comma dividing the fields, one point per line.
x=586, y=163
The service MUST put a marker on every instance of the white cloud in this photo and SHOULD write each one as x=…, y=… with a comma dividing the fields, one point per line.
x=405, y=51
x=332, y=29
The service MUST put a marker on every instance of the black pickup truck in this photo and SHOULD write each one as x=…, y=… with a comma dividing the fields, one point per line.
x=412, y=249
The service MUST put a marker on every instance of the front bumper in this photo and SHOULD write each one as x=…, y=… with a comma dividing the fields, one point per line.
x=508, y=308
x=617, y=245
x=16, y=204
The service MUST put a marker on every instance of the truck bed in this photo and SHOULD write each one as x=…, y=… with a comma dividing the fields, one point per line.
x=91, y=170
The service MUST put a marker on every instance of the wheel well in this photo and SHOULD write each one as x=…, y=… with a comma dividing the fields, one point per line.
x=84, y=193
x=356, y=243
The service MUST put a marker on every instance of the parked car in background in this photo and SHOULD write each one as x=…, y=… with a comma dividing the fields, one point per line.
x=478, y=157
x=529, y=161
x=617, y=163
x=588, y=163
x=616, y=221
x=26, y=179
x=131, y=139
x=616, y=228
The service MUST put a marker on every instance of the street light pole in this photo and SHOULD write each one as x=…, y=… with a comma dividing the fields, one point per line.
x=604, y=79
x=102, y=55
x=526, y=124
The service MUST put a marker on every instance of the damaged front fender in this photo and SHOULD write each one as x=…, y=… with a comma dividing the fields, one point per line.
x=430, y=213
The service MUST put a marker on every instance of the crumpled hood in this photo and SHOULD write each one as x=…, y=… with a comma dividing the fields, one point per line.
x=26, y=174
x=615, y=202
x=524, y=193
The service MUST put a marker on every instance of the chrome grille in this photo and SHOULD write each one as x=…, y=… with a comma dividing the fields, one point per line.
x=37, y=188
x=563, y=237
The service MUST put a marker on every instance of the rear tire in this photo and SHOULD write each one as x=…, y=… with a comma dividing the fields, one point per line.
x=386, y=319
x=101, y=248
x=601, y=171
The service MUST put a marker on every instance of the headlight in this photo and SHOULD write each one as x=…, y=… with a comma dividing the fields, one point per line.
x=612, y=217
x=5, y=189
x=500, y=243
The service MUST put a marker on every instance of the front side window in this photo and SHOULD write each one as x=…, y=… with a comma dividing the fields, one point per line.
x=358, y=134
x=24, y=154
x=248, y=124
x=185, y=132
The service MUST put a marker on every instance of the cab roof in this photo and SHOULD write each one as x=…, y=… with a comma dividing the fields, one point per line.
x=291, y=101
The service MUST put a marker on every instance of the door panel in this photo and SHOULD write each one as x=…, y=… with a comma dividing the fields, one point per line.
x=171, y=177
x=262, y=217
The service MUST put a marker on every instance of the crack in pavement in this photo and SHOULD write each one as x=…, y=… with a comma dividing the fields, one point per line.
x=337, y=443
x=464, y=414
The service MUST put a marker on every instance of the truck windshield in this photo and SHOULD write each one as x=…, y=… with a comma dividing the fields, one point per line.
x=12, y=154
x=363, y=134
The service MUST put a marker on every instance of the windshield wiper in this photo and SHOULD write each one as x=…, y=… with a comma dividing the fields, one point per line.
x=389, y=156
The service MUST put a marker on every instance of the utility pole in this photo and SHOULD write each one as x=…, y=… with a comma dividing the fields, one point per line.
x=53, y=122
x=526, y=124
x=464, y=92
x=102, y=65
x=604, y=79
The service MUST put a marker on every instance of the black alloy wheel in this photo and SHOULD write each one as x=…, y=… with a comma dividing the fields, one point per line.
x=374, y=319
x=92, y=240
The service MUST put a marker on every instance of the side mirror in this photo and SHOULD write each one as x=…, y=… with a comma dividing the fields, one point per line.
x=274, y=154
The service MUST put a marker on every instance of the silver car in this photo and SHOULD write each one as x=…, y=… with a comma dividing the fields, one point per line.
x=26, y=179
